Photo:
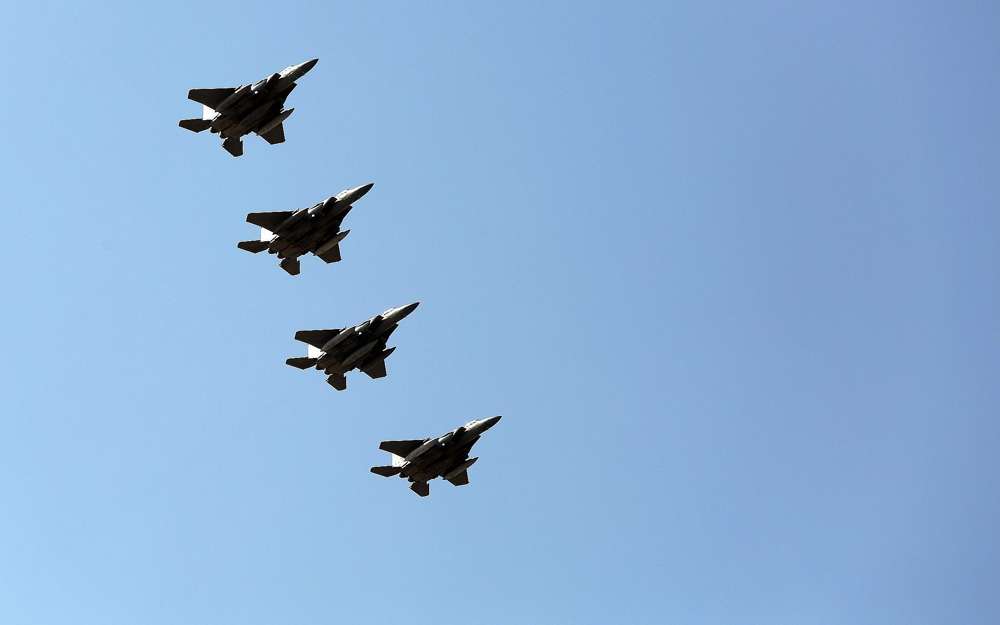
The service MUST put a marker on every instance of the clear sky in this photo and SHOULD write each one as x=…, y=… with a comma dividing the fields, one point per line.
x=729, y=271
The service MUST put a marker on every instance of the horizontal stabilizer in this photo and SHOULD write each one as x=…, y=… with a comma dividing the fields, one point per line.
x=421, y=488
x=316, y=338
x=303, y=362
x=269, y=221
x=401, y=448
x=274, y=135
x=385, y=471
x=195, y=125
x=460, y=479
x=211, y=98
x=252, y=246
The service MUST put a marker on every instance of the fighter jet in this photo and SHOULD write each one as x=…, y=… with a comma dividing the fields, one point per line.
x=235, y=111
x=446, y=456
x=359, y=347
x=290, y=234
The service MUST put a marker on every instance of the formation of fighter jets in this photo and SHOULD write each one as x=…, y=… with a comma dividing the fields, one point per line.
x=232, y=112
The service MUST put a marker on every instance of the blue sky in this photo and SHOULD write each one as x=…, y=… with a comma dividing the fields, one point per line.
x=729, y=271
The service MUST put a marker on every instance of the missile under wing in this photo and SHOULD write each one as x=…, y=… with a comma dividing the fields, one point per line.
x=232, y=112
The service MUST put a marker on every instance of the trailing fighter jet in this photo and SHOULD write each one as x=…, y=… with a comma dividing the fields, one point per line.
x=235, y=111
x=359, y=347
x=446, y=456
x=290, y=234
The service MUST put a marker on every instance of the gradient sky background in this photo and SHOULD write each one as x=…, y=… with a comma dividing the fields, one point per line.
x=729, y=271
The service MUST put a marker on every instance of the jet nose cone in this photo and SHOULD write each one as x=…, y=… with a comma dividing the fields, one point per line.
x=357, y=193
x=395, y=315
x=350, y=196
x=488, y=423
x=400, y=313
x=298, y=71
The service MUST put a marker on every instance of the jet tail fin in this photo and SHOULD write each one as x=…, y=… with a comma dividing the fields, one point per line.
x=385, y=471
x=291, y=265
x=303, y=362
x=252, y=246
x=195, y=125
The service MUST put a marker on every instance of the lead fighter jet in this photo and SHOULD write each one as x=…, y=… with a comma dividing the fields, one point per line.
x=446, y=456
x=235, y=111
x=359, y=347
x=317, y=229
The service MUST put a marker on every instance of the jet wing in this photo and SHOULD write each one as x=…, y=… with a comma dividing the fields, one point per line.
x=316, y=338
x=376, y=370
x=400, y=448
x=269, y=221
x=210, y=97
x=275, y=135
x=331, y=255
x=461, y=479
